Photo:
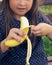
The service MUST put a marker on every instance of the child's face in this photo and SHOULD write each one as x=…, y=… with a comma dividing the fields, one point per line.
x=20, y=7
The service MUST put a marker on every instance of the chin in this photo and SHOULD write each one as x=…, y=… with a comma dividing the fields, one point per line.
x=21, y=13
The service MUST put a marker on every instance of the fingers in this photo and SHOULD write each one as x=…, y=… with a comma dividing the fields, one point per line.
x=37, y=33
x=36, y=30
x=18, y=32
x=16, y=37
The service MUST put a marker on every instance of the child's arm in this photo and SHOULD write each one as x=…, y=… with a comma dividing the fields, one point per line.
x=50, y=34
x=42, y=29
x=3, y=47
x=14, y=33
x=3, y=50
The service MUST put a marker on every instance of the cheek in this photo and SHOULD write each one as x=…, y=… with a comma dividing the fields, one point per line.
x=30, y=3
x=29, y=6
x=12, y=4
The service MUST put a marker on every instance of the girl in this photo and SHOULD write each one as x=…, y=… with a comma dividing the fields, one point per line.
x=10, y=13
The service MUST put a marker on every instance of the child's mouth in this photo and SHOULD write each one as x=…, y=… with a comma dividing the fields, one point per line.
x=21, y=9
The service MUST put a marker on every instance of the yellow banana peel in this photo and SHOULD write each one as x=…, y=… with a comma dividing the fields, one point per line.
x=13, y=43
x=25, y=28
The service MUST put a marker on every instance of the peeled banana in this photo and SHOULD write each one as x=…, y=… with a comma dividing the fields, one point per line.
x=25, y=28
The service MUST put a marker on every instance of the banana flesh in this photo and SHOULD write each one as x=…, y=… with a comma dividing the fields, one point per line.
x=25, y=28
x=13, y=43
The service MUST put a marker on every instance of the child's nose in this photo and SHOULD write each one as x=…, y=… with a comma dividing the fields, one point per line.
x=22, y=2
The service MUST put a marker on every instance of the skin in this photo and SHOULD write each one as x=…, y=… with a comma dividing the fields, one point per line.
x=42, y=29
x=20, y=8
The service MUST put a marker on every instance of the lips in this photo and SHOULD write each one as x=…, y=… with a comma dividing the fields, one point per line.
x=21, y=9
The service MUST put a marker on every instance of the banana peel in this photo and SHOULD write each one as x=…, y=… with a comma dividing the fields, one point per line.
x=25, y=28
x=13, y=43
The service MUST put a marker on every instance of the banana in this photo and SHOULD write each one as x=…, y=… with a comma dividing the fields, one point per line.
x=29, y=51
x=25, y=28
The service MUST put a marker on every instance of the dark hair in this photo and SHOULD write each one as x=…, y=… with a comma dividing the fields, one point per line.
x=31, y=15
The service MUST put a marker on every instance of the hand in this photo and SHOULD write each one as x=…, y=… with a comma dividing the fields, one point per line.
x=16, y=34
x=41, y=29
